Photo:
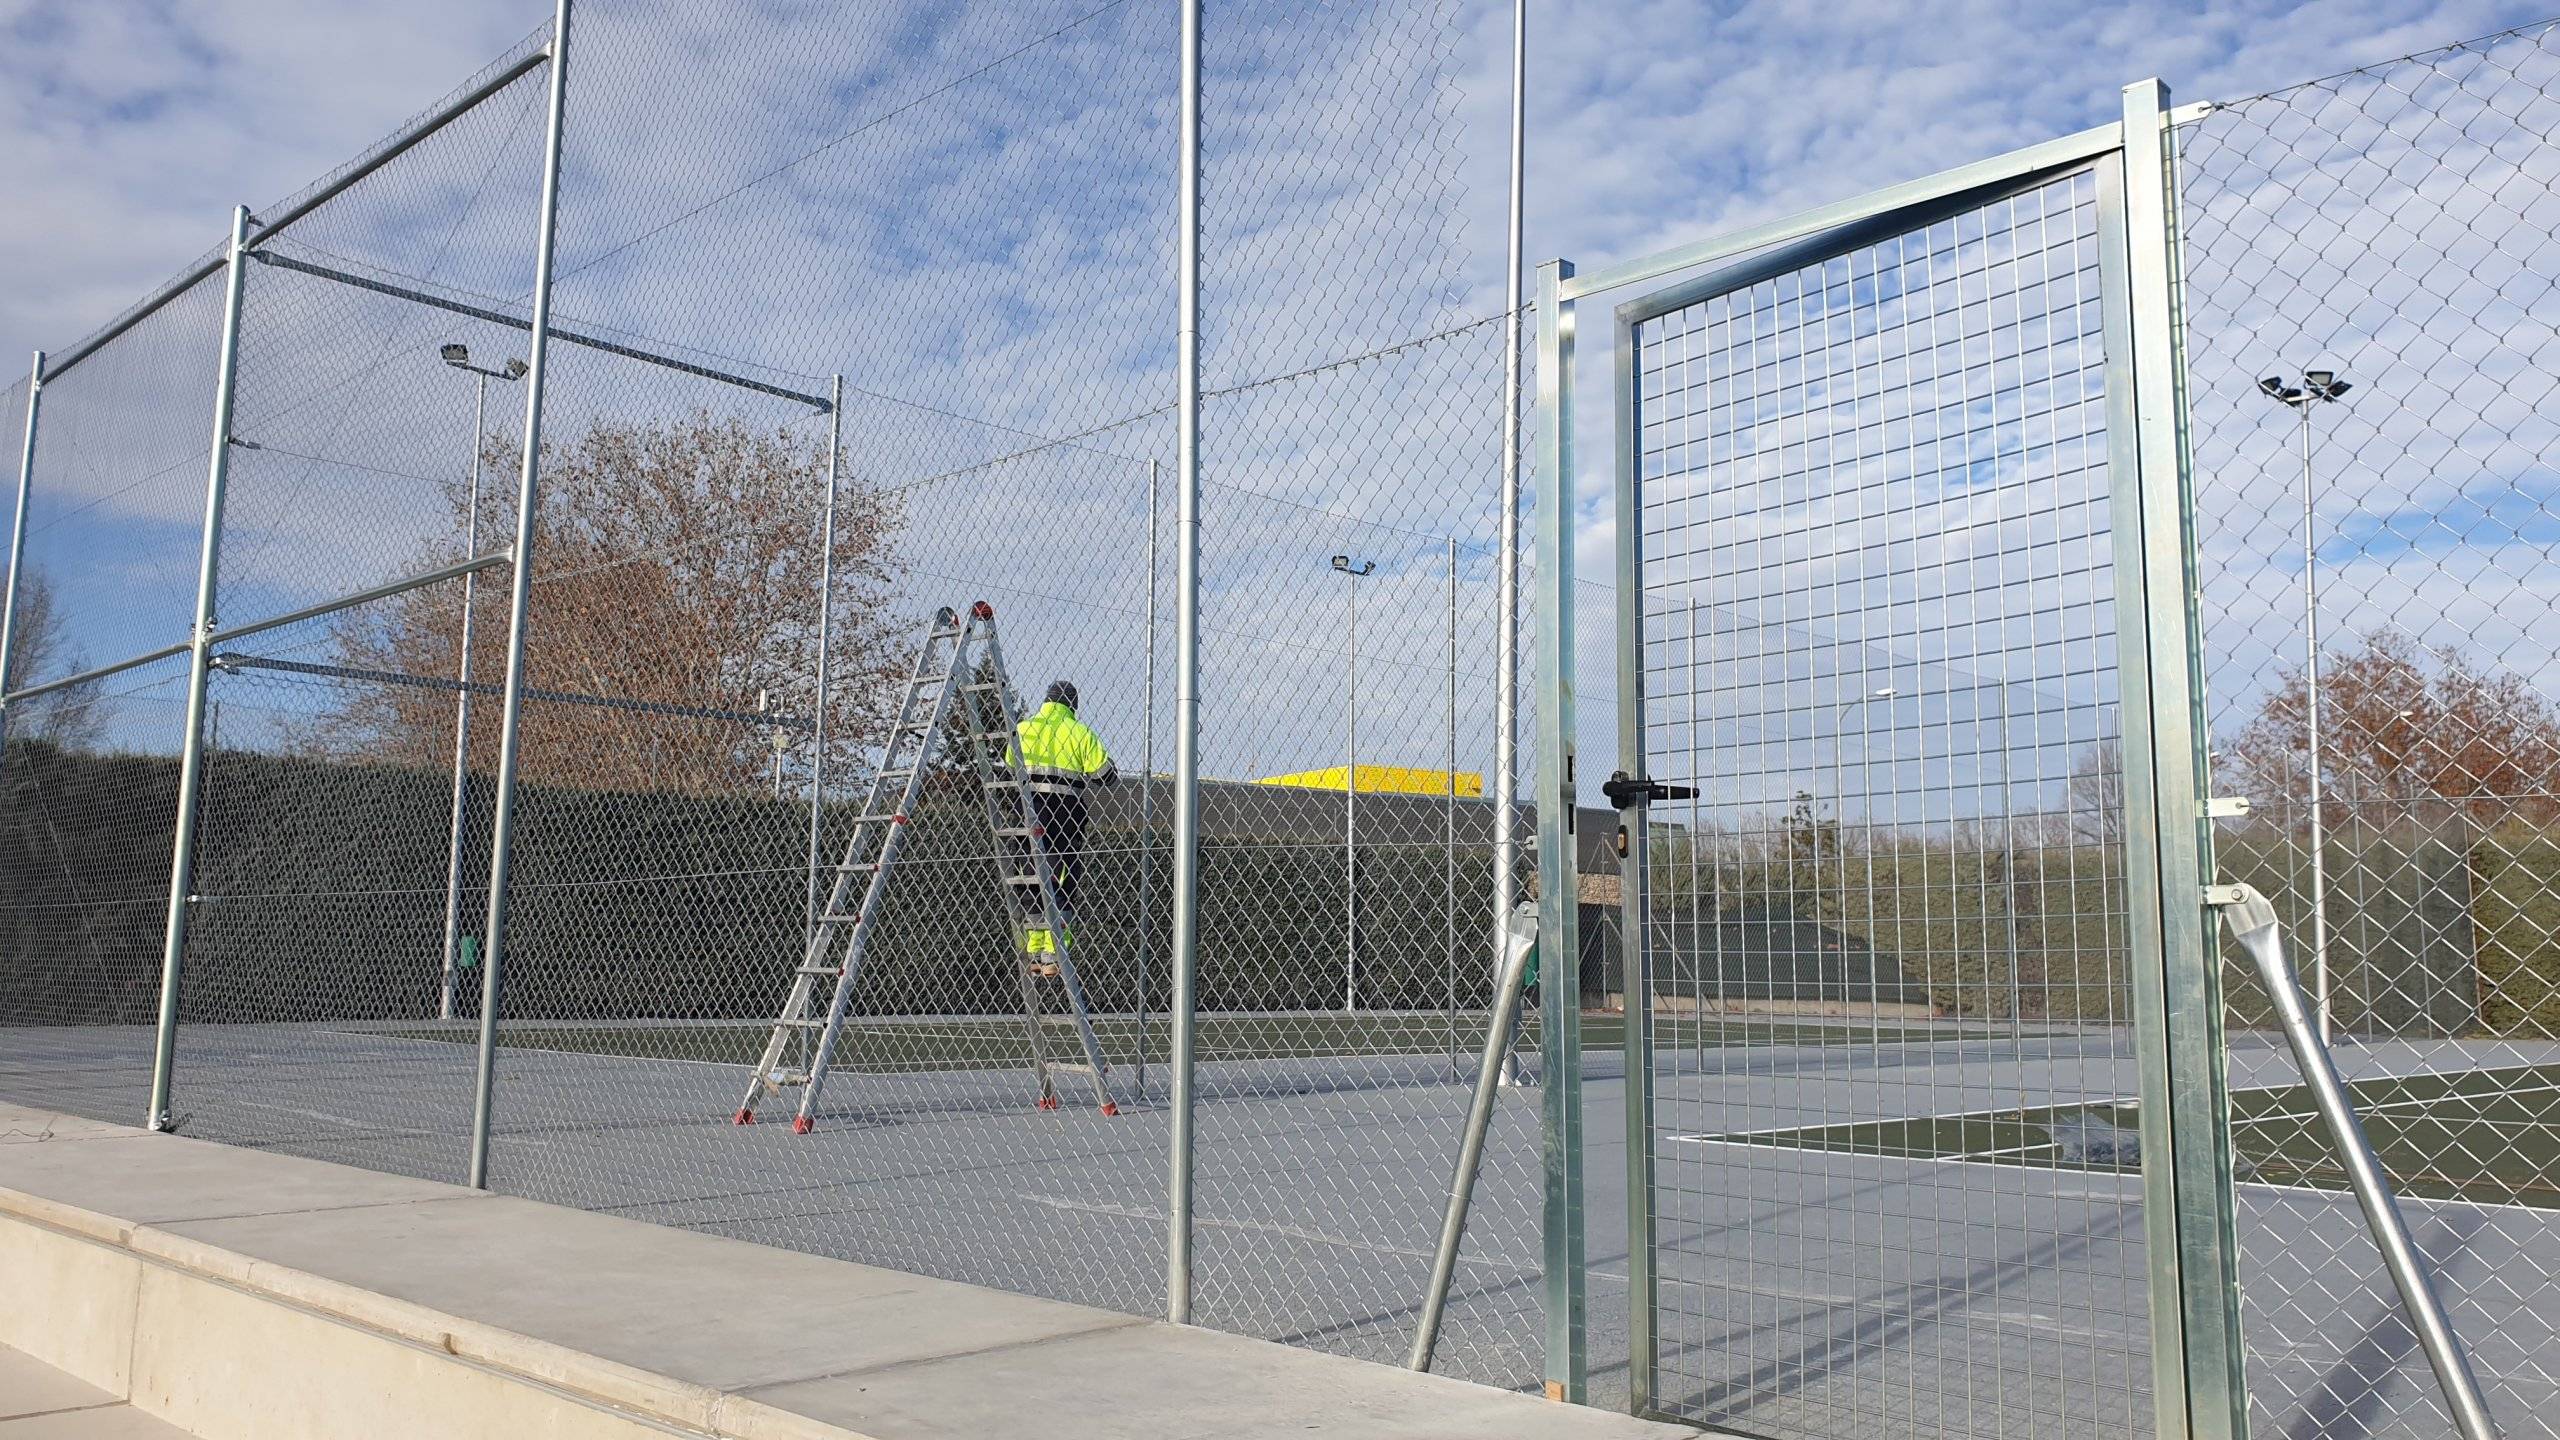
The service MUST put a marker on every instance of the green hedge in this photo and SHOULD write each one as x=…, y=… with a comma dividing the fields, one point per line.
x=322, y=898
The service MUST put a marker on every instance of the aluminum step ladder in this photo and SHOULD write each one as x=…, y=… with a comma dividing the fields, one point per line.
x=950, y=680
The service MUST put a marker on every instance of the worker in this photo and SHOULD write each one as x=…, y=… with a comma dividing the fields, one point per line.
x=1061, y=757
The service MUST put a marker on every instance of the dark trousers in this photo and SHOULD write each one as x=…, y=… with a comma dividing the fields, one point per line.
x=1061, y=819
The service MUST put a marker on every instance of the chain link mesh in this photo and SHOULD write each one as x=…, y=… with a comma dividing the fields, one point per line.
x=2393, y=226
x=870, y=316
x=900, y=279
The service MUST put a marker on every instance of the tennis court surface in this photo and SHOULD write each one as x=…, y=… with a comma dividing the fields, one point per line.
x=2487, y=1136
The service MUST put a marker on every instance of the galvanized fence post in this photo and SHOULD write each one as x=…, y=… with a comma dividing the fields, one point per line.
x=520, y=595
x=2186, y=1153
x=18, y=545
x=1186, y=685
x=1559, y=929
x=182, y=861
x=1506, y=558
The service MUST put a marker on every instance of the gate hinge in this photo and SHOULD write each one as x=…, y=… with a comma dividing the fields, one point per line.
x=1623, y=791
x=2217, y=896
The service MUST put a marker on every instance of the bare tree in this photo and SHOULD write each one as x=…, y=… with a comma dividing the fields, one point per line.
x=676, y=564
x=67, y=718
x=2407, y=734
x=2093, y=798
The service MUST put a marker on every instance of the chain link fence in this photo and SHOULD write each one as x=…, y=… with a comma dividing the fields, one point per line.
x=2376, y=549
x=871, y=317
x=867, y=318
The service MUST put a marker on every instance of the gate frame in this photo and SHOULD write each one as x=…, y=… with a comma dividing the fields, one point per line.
x=2172, y=954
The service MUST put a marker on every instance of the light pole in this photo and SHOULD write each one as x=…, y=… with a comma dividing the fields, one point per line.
x=1351, y=783
x=459, y=357
x=2317, y=385
x=1840, y=802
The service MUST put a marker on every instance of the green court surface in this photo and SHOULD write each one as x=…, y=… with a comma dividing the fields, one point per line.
x=2488, y=1136
x=878, y=1044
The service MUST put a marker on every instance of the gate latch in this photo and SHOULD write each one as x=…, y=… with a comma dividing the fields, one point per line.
x=1623, y=791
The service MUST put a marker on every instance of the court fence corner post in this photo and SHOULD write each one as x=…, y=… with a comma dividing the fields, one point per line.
x=182, y=860
x=519, y=603
x=1559, y=929
x=2175, y=953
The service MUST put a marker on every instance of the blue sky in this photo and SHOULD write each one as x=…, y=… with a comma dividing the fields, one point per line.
x=990, y=238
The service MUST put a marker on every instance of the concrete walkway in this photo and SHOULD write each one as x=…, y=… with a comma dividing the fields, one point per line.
x=233, y=1292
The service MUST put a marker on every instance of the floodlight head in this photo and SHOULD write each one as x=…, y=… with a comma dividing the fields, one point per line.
x=1883, y=692
x=515, y=368
x=2272, y=387
x=1342, y=563
x=455, y=354
x=2335, y=389
x=2319, y=380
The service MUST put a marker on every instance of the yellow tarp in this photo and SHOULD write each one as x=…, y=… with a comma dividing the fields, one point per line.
x=1382, y=780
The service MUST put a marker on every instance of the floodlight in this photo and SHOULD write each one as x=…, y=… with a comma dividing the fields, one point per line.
x=515, y=368
x=1341, y=562
x=2273, y=387
x=2319, y=380
x=455, y=354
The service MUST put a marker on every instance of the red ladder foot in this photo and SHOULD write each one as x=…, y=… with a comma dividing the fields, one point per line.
x=1048, y=1102
x=743, y=1117
x=1110, y=1108
x=802, y=1125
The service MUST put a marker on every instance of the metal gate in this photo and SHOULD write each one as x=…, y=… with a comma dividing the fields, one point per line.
x=1917, y=1013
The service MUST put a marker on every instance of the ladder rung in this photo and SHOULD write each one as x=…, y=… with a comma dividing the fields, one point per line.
x=1022, y=879
x=800, y=1024
x=819, y=970
x=1008, y=833
x=1070, y=1067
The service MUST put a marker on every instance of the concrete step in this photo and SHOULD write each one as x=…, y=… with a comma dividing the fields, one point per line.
x=39, y=1402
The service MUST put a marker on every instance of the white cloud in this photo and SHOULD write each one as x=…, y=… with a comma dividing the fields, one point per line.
x=992, y=237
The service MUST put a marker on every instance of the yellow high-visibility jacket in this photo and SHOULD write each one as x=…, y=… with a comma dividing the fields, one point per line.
x=1060, y=754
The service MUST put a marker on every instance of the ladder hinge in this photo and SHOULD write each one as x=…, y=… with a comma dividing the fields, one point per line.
x=2217, y=896
x=2227, y=807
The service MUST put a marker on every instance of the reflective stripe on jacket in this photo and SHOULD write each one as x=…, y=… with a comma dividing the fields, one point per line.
x=1059, y=753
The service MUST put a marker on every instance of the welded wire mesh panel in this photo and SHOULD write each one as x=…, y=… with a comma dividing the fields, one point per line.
x=2390, y=229
x=1896, y=1188
x=88, y=786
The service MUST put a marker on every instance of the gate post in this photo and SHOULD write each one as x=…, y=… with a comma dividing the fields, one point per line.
x=1635, y=934
x=1559, y=933
x=2175, y=954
